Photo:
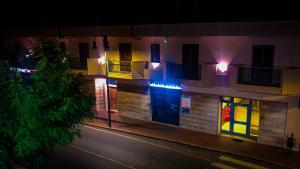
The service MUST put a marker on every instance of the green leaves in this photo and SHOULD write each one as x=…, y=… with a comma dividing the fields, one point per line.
x=46, y=111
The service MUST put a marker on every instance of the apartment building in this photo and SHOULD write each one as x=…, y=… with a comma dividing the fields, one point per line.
x=231, y=79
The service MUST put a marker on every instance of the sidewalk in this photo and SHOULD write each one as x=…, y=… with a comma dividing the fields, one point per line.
x=208, y=141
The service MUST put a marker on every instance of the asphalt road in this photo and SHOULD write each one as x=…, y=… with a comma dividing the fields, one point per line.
x=105, y=149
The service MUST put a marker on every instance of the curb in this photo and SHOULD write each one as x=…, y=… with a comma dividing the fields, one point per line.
x=189, y=144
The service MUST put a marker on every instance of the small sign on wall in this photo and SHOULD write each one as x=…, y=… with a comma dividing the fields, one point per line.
x=185, y=105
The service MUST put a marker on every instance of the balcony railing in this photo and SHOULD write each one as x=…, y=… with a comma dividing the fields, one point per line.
x=120, y=66
x=183, y=71
x=259, y=76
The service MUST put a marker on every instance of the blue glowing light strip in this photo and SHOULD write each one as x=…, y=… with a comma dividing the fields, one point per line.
x=167, y=86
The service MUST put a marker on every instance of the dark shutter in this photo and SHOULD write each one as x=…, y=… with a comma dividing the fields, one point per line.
x=155, y=53
x=190, y=54
x=125, y=52
x=83, y=54
x=263, y=56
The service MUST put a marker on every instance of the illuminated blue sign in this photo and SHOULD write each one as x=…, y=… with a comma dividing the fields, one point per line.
x=164, y=85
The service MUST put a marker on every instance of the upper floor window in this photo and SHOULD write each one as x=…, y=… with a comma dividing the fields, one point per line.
x=190, y=54
x=263, y=55
x=125, y=52
x=83, y=54
x=155, y=53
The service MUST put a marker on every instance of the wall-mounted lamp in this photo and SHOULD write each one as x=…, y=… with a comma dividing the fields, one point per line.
x=155, y=65
x=222, y=68
x=165, y=40
x=102, y=60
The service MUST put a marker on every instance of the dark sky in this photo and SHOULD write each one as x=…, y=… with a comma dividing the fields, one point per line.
x=112, y=12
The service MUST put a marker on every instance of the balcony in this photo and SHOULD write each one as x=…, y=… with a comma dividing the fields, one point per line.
x=119, y=69
x=259, y=76
x=120, y=66
x=183, y=71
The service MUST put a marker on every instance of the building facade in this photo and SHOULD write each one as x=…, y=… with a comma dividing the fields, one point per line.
x=231, y=79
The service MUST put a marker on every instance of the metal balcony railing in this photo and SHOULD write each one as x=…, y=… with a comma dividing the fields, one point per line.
x=120, y=66
x=183, y=71
x=259, y=76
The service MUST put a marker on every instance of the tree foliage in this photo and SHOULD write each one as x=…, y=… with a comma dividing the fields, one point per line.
x=6, y=119
x=48, y=107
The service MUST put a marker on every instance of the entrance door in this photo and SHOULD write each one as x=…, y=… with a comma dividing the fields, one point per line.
x=240, y=120
x=238, y=117
x=165, y=105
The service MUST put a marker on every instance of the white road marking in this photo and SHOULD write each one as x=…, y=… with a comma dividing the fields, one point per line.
x=147, y=142
x=240, y=162
x=220, y=165
x=103, y=157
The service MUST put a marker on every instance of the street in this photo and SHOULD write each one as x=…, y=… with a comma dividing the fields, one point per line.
x=106, y=149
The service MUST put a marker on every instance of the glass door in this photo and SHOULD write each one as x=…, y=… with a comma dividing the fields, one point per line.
x=239, y=117
x=240, y=121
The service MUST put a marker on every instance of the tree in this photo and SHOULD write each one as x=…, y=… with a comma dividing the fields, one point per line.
x=6, y=119
x=50, y=107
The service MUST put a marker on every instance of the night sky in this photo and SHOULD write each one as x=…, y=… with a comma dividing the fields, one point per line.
x=112, y=12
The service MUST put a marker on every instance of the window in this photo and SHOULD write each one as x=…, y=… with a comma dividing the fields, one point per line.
x=125, y=57
x=190, y=54
x=263, y=55
x=83, y=54
x=190, y=62
x=155, y=53
x=125, y=52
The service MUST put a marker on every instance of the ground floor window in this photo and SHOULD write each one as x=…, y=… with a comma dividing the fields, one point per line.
x=239, y=116
x=101, y=96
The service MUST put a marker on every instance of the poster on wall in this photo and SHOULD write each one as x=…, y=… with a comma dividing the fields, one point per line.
x=185, y=105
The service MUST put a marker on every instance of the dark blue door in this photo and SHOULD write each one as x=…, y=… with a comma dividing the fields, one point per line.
x=165, y=105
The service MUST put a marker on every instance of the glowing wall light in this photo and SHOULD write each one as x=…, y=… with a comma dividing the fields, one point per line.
x=23, y=70
x=222, y=68
x=102, y=60
x=164, y=85
x=100, y=83
x=155, y=65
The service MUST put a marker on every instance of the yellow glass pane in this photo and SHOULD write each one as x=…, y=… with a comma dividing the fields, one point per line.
x=226, y=126
x=241, y=101
x=226, y=98
x=240, y=113
x=254, y=126
x=239, y=128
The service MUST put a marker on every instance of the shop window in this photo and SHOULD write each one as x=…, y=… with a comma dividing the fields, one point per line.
x=240, y=113
x=254, y=127
x=226, y=98
x=240, y=117
x=226, y=116
x=239, y=128
x=241, y=100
